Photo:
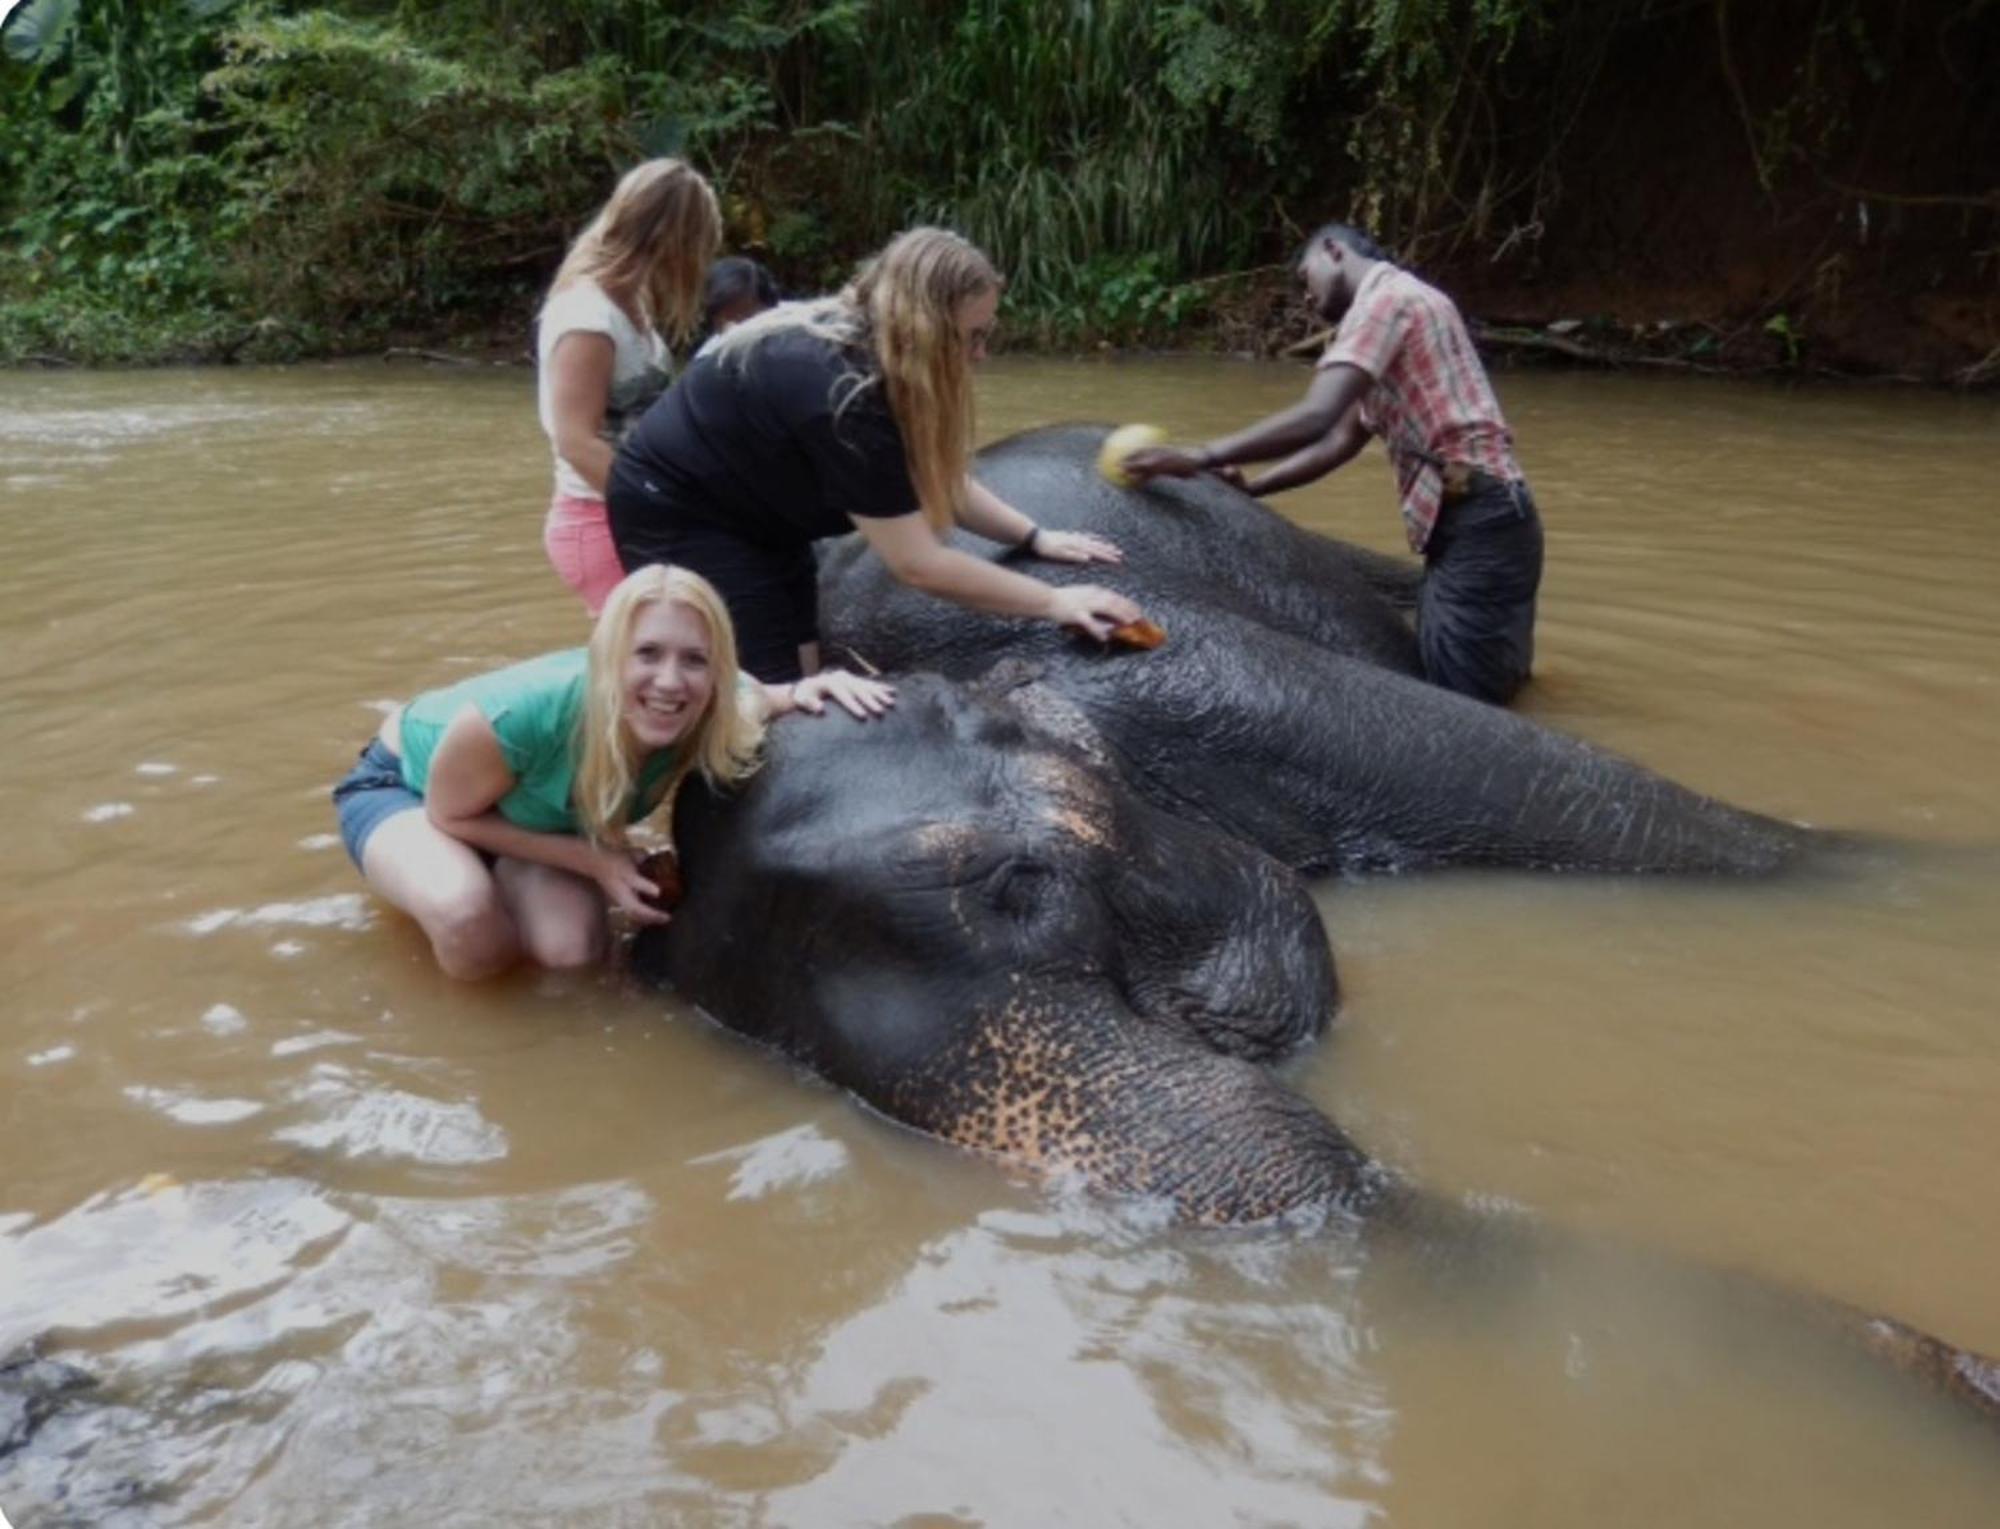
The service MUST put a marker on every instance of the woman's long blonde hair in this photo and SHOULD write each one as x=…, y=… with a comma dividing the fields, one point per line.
x=650, y=246
x=902, y=306
x=723, y=743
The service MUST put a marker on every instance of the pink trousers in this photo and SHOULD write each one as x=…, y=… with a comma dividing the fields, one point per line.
x=577, y=538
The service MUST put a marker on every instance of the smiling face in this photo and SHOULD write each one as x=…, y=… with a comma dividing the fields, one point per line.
x=668, y=678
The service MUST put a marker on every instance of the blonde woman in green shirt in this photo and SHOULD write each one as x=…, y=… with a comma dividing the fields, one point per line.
x=495, y=811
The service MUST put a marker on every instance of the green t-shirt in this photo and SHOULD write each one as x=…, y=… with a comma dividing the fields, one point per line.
x=533, y=707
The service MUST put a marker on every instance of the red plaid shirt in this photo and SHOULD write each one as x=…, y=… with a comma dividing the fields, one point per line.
x=1431, y=402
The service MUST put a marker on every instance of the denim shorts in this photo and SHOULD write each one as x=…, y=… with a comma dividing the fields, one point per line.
x=372, y=792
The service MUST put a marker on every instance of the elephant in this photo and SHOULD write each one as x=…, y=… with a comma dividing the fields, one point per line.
x=1052, y=908
x=1286, y=707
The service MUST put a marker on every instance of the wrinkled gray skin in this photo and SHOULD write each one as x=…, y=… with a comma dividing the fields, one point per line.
x=1043, y=909
x=1285, y=708
x=987, y=937
x=1049, y=909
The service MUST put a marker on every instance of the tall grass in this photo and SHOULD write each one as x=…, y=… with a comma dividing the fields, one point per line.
x=1040, y=128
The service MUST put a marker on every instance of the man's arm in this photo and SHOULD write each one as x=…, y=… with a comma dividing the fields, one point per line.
x=1331, y=450
x=1334, y=392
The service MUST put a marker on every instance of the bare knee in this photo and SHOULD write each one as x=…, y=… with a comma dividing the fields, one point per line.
x=472, y=936
x=569, y=943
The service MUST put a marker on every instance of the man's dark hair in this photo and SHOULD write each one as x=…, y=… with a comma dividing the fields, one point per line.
x=1344, y=234
x=733, y=278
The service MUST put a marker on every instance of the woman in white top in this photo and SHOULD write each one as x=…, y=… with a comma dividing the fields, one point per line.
x=632, y=277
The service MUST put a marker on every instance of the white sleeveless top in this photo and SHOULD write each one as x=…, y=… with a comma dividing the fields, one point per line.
x=640, y=368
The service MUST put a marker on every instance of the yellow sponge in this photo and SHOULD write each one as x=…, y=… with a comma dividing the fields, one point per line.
x=1120, y=444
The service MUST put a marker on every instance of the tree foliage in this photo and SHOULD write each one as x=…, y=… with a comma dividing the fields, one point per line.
x=315, y=175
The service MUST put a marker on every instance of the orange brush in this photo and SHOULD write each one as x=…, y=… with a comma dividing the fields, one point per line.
x=1141, y=634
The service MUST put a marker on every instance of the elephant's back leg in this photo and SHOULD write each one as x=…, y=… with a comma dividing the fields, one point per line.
x=1330, y=763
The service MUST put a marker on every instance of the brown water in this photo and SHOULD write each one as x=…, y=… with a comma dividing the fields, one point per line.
x=348, y=1244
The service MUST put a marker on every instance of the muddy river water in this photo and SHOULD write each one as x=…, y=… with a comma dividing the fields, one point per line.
x=345, y=1243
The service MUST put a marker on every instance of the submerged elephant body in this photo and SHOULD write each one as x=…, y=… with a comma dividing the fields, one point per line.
x=1050, y=909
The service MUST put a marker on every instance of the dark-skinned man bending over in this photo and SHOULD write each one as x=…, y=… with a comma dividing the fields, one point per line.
x=1402, y=366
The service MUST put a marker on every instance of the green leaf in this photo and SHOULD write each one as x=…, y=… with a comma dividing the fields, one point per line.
x=664, y=136
x=40, y=30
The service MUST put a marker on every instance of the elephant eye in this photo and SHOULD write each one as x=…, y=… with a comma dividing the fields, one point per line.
x=1018, y=887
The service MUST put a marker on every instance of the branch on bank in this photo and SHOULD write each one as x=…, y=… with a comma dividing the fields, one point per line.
x=1534, y=340
x=1984, y=369
x=417, y=353
x=1507, y=338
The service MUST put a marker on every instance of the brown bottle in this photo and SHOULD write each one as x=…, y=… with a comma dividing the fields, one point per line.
x=663, y=869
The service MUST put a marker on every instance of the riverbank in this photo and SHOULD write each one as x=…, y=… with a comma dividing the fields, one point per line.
x=1929, y=341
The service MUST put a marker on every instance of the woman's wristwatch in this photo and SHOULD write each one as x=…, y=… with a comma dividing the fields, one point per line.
x=1027, y=543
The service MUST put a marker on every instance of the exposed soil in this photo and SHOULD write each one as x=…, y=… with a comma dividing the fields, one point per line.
x=1710, y=208
x=1869, y=244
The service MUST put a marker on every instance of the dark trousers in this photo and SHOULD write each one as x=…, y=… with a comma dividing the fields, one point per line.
x=1476, y=610
x=772, y=593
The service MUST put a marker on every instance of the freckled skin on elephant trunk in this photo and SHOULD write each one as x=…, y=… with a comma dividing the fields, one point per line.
x=1069, y=1085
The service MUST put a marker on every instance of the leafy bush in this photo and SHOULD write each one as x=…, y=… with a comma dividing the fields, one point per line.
x=115, y=207
x=332, y=173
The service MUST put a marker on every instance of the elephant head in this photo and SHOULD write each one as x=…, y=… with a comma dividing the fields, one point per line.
x=961, y=915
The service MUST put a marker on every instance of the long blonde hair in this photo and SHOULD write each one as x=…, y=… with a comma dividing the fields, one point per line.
x=724, y=742
x=650, y=245
x=902, y=305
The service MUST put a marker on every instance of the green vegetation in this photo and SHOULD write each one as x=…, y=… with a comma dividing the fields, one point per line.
x=214, y=178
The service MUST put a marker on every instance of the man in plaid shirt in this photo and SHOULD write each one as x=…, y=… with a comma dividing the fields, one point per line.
x=1401, y=366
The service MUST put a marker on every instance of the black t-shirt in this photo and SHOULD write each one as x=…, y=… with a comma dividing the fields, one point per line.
x=754, y=444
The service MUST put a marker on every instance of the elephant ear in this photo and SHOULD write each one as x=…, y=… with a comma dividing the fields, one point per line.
x=1132, y=1108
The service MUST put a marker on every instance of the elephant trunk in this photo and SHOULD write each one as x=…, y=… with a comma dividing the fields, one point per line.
x=1076, y=1085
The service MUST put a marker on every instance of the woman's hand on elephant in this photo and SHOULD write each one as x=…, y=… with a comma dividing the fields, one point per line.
x=1091, y=609
x=1233, y=476
x=863, y=698
x=1162, y=462
x=1076, y=547
x=616, y=872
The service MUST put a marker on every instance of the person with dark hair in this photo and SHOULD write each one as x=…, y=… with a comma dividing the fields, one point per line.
x=738, y=288
x=1401, y=366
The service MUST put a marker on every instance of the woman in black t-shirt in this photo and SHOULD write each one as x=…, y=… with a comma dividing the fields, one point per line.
x=847, y=413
